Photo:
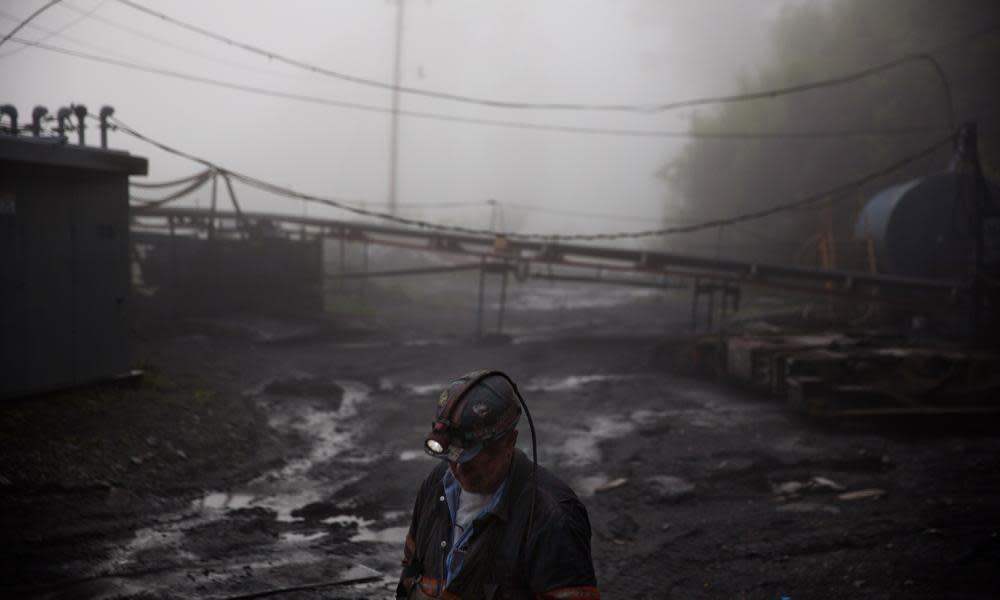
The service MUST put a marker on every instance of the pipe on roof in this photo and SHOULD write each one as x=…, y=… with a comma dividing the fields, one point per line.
x=106, y=111
x=61, y=116
x=81, y=114
x=10, y=111
x=37, y=114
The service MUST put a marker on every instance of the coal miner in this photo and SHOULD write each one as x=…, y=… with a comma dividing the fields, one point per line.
x=488, y=523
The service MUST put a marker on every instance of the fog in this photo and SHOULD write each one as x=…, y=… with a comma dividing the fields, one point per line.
x=634, y=52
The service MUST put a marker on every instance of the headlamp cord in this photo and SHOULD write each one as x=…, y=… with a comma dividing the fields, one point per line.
x=534, y=459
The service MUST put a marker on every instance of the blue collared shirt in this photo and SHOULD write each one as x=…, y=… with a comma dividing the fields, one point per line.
x=457, y=548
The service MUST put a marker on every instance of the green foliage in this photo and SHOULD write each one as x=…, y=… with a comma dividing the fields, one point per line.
x=813, y=41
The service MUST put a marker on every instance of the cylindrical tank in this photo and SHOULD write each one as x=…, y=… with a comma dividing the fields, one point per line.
x=924, y=228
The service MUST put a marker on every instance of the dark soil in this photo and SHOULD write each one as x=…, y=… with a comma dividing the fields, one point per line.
x=244, y=462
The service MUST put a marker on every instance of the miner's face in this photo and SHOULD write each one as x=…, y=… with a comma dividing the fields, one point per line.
x=484, y=473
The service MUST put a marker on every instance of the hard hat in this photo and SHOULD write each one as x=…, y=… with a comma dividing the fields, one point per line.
x=474, y=410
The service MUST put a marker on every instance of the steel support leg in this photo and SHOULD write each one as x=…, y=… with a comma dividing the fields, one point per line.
x=479, y=309
x=503, y=298
x=709, y=322
x=694, y=305
x=364, y=268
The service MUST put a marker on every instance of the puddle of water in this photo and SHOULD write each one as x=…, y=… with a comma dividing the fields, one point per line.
x=588, y=484
x=223, y=500
x=391, y=535
x=392, y=515
x=282, y=490
x=300, y=538
x=327, y=428
x=425, y=389
x=582, y=447
x=408, y=455
x=348, y=520
x=571, y=382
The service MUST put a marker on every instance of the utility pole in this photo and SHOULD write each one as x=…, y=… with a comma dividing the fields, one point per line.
x=493, y=214
x=394, y=135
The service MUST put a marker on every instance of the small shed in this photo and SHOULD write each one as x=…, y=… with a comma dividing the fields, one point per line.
x=65, y=271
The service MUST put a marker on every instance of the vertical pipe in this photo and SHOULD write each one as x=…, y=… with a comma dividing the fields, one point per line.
x=482, y=285
x=694, y=305
x=343, y=254
x=173, y=267
x=211, y=213
x=709, y=322
x=394, y=134
x=364, y=269
x=503, y=298
x=81, y=114
x=243, y=225
x=61, y=116
x=11, y=111
x=36, y=120
x=302, y=226
x=106, y=111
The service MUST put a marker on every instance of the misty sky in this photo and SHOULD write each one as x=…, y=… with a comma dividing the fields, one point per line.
x=600, y=51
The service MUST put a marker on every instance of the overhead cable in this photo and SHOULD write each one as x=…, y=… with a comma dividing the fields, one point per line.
x=827, y=195
x=638, y=133
x=194, y=185
x=147, y=37
x=28, y=19
x=638, y=108
x=172, y=182
x=50, y=33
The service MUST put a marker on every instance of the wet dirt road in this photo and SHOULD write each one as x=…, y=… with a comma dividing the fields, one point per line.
x=695, y=489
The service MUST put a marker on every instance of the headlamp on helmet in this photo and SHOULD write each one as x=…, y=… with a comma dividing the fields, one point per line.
x=474, y=411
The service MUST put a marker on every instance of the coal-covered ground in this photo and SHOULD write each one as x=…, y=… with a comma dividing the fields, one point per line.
x=263, y=452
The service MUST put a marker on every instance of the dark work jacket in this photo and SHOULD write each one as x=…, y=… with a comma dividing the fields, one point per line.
x=551, y=561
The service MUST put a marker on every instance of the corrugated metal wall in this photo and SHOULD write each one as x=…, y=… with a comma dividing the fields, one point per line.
x=64, y=276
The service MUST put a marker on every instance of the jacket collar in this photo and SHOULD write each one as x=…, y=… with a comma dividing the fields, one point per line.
x=520, y=473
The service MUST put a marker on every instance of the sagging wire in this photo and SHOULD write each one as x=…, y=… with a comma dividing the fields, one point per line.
x=826, y=197
x=923, y=57
x=28, y=19
x=615, y=132
x=196, y=183
x=51, y=33
x=172, y=182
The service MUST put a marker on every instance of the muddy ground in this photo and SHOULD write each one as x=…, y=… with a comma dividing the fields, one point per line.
x=263, y=452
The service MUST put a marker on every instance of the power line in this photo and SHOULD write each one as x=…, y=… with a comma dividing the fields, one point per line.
x=168, y=44
x=172, y=182
x=52, y=33
x=28, y=19
x=827, y=195
x=26, y=43
x=640, y=108
x=193, y=186
x=637, y=133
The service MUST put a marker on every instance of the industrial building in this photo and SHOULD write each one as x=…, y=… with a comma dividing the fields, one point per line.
x=64, y=261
